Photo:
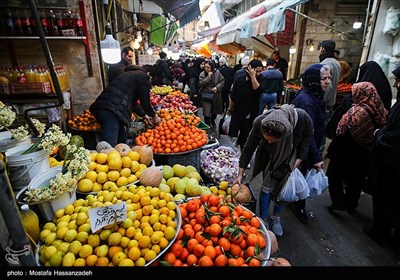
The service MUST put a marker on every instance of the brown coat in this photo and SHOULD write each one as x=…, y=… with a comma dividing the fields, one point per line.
x=208, y=83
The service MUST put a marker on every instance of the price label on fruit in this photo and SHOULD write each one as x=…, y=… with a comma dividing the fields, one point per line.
x=103, y=216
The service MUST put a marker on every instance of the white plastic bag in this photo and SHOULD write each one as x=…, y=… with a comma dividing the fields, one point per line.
x=226, y=124
x=295, y=188
x=317, y=182
x=392, y=21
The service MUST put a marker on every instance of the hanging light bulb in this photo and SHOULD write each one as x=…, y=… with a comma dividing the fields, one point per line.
x=136, y=44
x=357, y=24
x=110, y=48
x=139, y=36
x=134, y=19
x=312, y=47
x=292, y=49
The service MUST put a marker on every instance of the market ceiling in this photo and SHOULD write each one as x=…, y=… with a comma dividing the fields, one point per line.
x=183, y=10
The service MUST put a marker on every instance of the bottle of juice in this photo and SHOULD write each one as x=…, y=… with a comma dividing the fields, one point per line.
x=30, y=220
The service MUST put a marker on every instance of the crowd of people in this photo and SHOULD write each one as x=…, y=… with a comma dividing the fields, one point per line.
x=363, y=152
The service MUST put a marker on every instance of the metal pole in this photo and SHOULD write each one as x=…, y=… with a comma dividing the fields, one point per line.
x=21, y=252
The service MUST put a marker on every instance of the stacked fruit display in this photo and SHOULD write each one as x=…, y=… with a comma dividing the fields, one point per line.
x=179, y=101
x=84, y=121
x=161, y=90
x=215, y=232
x=151, y=225
x=111, y=168
x=175, y=134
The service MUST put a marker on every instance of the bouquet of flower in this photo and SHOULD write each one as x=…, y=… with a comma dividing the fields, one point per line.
x=51, y=139
x=71, y=172
x=7, y=117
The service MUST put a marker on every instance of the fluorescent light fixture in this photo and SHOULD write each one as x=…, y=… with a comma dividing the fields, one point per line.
x=357, y=24
x=110, y=48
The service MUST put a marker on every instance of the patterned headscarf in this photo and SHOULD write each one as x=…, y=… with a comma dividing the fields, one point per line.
x=311, y=79
x=287, y=116
x=365, y=115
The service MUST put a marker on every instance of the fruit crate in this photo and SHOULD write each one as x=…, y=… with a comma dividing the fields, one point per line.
x=186, y=158
x=30, y=88
x=4, y=88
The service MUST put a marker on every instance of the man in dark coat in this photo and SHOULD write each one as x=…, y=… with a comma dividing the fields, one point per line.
x=114, y=106
x=163, y=75
x=228, y=73
x=384, y=180
x=115, y=69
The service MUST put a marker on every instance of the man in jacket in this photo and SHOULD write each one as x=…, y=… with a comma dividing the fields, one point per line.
x=114, y=70
x=163, y=74
x=114, y=106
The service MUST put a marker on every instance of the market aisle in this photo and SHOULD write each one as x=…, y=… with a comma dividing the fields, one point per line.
x=331, y=239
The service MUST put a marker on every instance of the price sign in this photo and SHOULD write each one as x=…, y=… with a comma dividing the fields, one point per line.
x=104, y=216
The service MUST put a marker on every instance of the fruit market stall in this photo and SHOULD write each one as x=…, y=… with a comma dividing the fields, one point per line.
x=294, y=85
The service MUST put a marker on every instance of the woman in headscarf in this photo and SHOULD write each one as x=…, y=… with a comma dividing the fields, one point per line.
x=371, y=72
x=282, y=134
x=315, y=80
x=349, y=149
x=384, y=179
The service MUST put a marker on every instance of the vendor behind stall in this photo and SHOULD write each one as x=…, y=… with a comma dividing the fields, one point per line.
x=114, y=106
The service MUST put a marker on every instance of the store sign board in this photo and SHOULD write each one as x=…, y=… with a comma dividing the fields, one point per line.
x=145, y=59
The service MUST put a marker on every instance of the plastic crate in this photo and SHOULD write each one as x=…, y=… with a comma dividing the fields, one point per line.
x=187, y=158
x=30, y=88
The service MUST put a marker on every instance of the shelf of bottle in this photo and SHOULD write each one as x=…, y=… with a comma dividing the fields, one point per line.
x=48, y=37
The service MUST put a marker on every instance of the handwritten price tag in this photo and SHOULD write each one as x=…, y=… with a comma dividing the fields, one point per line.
x=104, y=216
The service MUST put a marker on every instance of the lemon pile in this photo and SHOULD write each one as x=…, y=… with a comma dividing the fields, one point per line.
x=110, y=171
x=150, y=226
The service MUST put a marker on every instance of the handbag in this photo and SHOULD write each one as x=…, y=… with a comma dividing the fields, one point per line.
x=207, y=96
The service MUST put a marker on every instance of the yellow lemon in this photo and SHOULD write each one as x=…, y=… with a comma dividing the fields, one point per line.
x=101, y=158
x=126, y=262
x=49, y=225
x=135, y=166
x=85, y=185
x=109, y=185
x=113, y=175
x=80, y=262
x=102, y=177
x=96, y=187
x=115, y=163
x=125, y=195
x=125, y=172
x=114, y=238
x=92, y=165
x=59, y=213
x=134, y=253
x=68, y=259
x=82, y=218
x=113, y=154
x=142, y=166
x=85, y=251
x=70, y=235
x=223, y=185
x=126, y=161
x=91, y=175
x=49, y=251
x=94, y=240
x=85, y=227
x=118, y=257
x=93, y=156
x=122, y=181
x=82, y=236
x=63, y=247
x=50, y=238
x=61, y=231
x=134, y=156
x=75, y=246
x=102, y=250
x=132, y=178
x=102, y=168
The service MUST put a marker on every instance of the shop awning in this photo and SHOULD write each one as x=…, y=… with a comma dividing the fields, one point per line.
x=183, y=10
x=265, y=18
x=270, y=22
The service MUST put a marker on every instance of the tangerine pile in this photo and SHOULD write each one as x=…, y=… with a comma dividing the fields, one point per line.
x=168, y=114
x=215, y=232
x=172, y=136
x=85, y=121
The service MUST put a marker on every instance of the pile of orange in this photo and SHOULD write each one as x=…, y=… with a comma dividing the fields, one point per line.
x=215, y=232
x=84, y=121
x=173, y=136
x=168, y=114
